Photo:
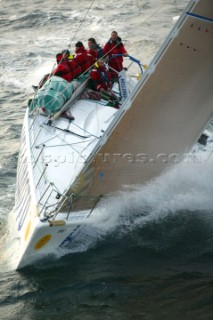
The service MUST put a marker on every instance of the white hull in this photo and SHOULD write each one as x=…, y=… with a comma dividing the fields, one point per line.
x=60, y=160
x=38, y=240
x=50, y=159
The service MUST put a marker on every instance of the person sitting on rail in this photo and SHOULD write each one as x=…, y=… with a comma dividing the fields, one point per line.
x=113, y=47
x=67, y=69
x=100, y=80
x=75, y=69
x=81, y=57
x=59, y=58
x=94, y=52
x=63, y=69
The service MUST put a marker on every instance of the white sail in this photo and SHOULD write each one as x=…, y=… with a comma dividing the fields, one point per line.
x=165, y=115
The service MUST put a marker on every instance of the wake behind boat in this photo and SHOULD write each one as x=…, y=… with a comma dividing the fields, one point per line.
x=76, y=149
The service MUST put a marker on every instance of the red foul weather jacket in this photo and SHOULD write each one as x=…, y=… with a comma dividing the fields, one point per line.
x=74, y=68
x=100, y=79
x=115, y=47
x=92, y=55
x=63, y=70
x=82, y=58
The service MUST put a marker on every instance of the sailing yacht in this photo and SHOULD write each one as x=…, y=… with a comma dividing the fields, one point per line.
x=66, y=167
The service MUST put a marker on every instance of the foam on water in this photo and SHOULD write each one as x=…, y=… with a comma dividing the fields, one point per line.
x=186, y=189
x=113, y=271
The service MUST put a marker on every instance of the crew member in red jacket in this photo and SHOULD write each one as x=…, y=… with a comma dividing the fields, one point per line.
x=94, y=52
x=112, y=47
x=100, y=80
x=74, y=66
x=63, y=68
x=75, y=69
x=82, y=57
x=92, y=55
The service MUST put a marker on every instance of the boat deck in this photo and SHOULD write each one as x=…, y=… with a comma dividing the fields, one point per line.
x=59, y=149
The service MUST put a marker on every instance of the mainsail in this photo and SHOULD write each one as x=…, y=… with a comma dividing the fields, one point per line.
x=165, y=115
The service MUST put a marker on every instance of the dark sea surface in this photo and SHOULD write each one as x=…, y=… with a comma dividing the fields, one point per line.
x=151, y=255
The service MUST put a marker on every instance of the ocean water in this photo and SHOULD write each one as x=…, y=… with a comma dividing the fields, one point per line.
x=150, y=255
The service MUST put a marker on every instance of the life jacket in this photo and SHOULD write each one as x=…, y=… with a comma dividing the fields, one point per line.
x=100, y=78
x=103, y=75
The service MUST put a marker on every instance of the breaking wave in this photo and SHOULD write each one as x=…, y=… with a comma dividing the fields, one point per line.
x=172, y=215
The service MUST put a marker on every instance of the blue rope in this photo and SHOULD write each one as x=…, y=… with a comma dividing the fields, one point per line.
x=130, y=58
x=198, y=17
